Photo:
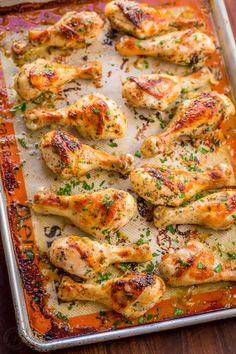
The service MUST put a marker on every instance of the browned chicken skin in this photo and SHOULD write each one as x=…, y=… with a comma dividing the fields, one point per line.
x=195, y=116
x=85, y=258
x=143, y=21
x=182, y=47
x=132, y=295
x=97, y=213
x=67, y=157
x=165, y=186
x=45, y=76
x=95, y=116
x=194, y=264
x=73, y=30
x=216, y=211
x=159, y=91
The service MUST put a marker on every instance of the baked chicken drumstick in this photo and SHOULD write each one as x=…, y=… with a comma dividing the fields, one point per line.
x=67, y=157
x=195, y=264
x=94, y=116
x=97, y=213
x=132, y=295
x=195, y=116
x=143, y=21
x=216, y=211
x=73, y=30
x=165, y=186
x=45, y=76
x=85, y=258
x=182, y=47
x=159, y=91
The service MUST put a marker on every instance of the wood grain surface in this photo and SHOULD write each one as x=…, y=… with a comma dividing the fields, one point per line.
x=211, y=338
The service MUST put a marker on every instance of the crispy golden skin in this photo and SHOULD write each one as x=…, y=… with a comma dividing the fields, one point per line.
x=182, y=47
x=194, y=116
x=95, y=116
x=159, y=91
x=97, y=213
x=132, y=295
x=143, y=21
x=45, y=76
x=67, y=157
x=85, y=258
x=165, y=186
x=73, y=30
x=216, y=211
x=194, y=264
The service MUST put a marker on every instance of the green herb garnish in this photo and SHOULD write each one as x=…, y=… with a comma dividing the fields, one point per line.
x=231, y=255
x=107, y=201
x=218, y=268
x=137, y=154
x=177, y=311
x=103, y=277
x=87, y=186
x=112, y=144
x=20, y=107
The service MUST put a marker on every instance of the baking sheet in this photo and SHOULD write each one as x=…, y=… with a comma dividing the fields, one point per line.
x=36, y=176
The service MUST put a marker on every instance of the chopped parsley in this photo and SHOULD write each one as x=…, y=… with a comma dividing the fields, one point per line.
x=150, y=267
x=112, y=144
x=70, y=307
x=125, y=266
x=155, y=254
x=115, y=324
x=103, y=277
x=141, y=320
x=87, y=186
x=138, y=43
x=191, y=157
x=61, y=316
x=184, y=90
x=178, y=311
x=185, y=264
x=231, y=255
x=20, y=107
x=107, y=201
x=171, y=228
x=203, y=150
x=159, y=183
x=146, y=64
x=224, y=199
x=137, y=154
x=102, y=183
x=67, y=188
x=218, y=268
x=200, y=265
x=96, y=110
x=141, y=240
x=149, y=317
x=194, y=168
x=22, y=143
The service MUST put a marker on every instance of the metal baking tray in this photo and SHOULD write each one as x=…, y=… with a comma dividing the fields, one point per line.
x=28, y=335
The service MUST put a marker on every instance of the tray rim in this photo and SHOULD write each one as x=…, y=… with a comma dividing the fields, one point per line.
x=225, y=34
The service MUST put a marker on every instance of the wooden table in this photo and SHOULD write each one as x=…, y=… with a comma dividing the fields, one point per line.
x=211, y=338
